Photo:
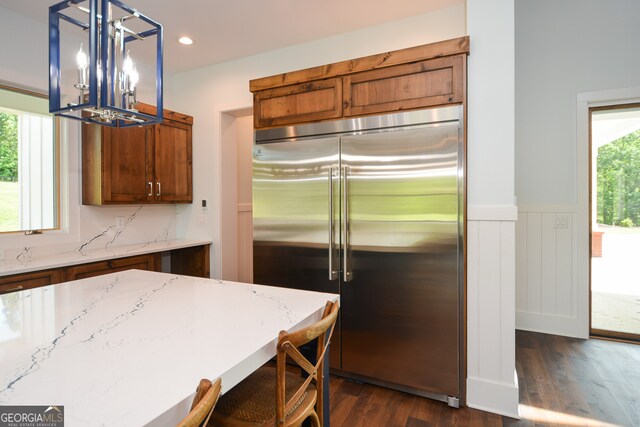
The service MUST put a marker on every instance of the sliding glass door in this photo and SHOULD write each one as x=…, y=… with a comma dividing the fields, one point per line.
x=615, y=222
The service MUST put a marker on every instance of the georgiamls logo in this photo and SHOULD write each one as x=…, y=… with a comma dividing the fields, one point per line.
x=32, y=416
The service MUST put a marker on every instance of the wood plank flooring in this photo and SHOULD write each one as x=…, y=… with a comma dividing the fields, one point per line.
x=563, y=382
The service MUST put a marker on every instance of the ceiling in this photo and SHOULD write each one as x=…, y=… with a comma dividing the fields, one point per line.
x=223, y=30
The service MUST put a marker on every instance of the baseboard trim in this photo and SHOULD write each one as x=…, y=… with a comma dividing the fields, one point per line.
x=492, y=396
x=550, y=324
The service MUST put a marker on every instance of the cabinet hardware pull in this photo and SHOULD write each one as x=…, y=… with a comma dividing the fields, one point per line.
x=150, y=189
x=332, y=272
x=159, y=193
x=17, y=288
x=346, y=273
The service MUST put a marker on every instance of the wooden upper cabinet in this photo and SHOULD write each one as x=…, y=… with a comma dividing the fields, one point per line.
x=139, y=164
x=417, y=85
x=417, y=77
x=305, y=102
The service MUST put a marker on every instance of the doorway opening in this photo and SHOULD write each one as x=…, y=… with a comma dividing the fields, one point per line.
x=615, y=221
x=236, y=216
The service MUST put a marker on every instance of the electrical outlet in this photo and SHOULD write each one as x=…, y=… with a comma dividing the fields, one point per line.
x=202, y=219
x=562, y=221
x=119, y=222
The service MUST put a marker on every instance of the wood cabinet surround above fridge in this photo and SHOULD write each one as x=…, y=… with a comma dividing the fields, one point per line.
x=418, y=77
x=140, y=164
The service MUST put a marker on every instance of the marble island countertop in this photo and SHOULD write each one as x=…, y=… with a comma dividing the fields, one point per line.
x=26, y=262
x=128, y=349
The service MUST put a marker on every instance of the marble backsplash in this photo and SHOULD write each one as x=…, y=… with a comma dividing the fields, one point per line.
x=98, y=229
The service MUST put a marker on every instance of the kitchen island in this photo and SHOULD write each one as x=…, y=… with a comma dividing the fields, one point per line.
x=128, y=348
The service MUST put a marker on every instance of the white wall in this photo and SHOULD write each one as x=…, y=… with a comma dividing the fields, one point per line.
x=586, y=46
x=491, y=383
x=24, y=64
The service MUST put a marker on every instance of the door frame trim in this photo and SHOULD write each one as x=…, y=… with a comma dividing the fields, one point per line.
x=595, y=332
x=585, y=101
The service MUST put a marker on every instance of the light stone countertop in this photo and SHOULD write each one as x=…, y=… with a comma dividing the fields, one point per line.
x=129, y=348
x=26, y=262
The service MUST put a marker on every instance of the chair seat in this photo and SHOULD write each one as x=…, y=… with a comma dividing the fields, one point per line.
x=253, y=401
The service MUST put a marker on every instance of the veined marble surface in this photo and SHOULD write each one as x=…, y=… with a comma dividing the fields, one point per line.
x=25, y=261
x=129, y=348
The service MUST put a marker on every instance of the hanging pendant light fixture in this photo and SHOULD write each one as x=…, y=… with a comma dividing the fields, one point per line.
x=93, y=76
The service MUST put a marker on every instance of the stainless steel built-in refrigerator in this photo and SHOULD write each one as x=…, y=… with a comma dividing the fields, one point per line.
x=372, y=208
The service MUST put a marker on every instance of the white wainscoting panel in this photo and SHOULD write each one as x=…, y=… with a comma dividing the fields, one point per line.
x=546, y=269
x=245, y=243
x=491, y=380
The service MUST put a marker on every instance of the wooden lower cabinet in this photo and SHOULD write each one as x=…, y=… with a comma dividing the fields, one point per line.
x=20, y=282
x=149, y=262
x=192, y=261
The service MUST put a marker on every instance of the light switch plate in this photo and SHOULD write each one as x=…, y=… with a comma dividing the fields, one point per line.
x=562, y=221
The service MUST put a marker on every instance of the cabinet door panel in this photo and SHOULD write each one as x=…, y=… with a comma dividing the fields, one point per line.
x=126, y=163
x=172, y=155
x=417, y=85
x=142, y=262
x=299, y=103
x=25, y=281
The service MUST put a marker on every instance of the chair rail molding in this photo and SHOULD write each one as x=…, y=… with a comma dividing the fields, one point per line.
x=492, y=213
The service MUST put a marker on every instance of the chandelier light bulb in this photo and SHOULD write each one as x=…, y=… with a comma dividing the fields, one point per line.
x=134, y=77
x=127, y=65
x=81, y=59
x=82, y=62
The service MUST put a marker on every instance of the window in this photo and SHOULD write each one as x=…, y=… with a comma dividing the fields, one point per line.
x=28, y=162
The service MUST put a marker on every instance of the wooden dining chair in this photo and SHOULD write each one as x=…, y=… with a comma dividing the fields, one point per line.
x=207, y=395
x=276, y=396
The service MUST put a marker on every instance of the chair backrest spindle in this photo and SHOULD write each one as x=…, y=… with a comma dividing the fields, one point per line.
x=288, y=345
x=207, y=395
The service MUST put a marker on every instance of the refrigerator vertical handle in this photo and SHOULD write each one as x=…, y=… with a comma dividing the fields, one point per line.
x=346, y=272
x=333, y=273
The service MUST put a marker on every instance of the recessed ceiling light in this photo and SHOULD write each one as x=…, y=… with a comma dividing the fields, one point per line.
x=185, y=40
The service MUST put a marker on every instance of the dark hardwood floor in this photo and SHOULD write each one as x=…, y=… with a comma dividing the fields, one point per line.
x=563, y=382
